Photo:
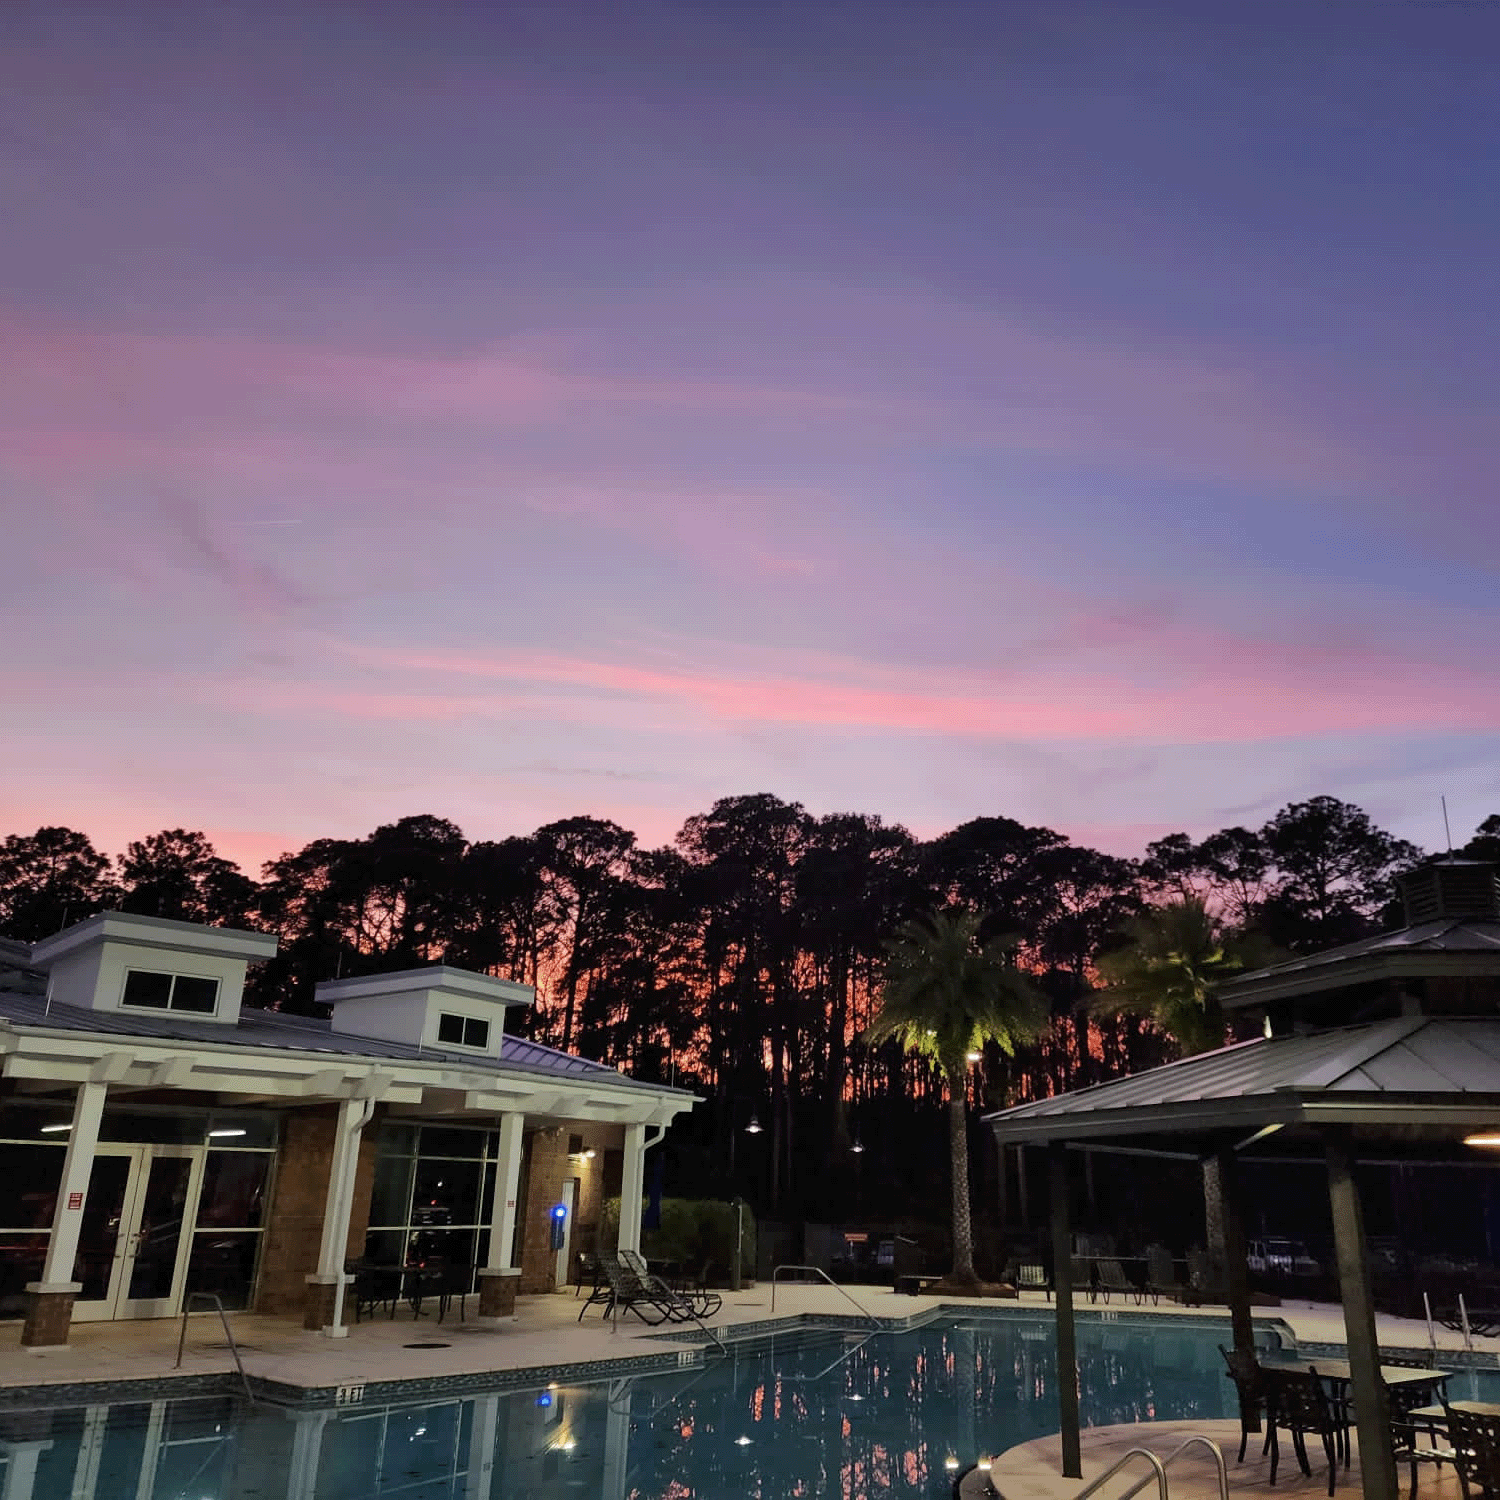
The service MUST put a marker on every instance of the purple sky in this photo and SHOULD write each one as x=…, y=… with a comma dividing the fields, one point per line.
x=1072, y=409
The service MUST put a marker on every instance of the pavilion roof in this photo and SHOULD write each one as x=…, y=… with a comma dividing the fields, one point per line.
x=1448, y=946
x=1425, y=1071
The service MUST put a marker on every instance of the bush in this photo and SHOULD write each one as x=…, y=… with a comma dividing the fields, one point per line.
x=697, y=1233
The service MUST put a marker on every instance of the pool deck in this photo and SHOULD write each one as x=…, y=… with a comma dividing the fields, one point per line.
x=545, y=1341
x=1032, y=1471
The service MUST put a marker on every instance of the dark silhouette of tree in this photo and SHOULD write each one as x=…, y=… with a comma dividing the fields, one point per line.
x=1334, y=874
x=945, y=996
x=1169, y=967
x=50, y=879
x=179, y=874
x=1486, y=841
x=584, y=864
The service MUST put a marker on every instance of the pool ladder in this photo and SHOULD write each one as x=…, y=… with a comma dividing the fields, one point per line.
x=234, y=1349
x=820, y=1272
x=1159, y=1467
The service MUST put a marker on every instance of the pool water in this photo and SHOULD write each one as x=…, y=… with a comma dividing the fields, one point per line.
x=812, y=1414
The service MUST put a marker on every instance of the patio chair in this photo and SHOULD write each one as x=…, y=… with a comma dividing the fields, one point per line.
x=1083, y=1276
x=1112, y=1278
x=1476, y=1451
x=1032, y=1277
x=1297, y=1403
x=1161, y=1275
x=1244, y=1370
x=1409, y=1420
x=454, y=1281
x=693, y=1303
x=374, y=1286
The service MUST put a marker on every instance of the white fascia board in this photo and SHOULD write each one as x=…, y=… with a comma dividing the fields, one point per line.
x=133, y=1061
x=154, y=932
x=437, y=978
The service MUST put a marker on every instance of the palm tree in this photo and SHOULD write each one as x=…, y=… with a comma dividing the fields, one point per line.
x=1175, y=957
x=944, y=995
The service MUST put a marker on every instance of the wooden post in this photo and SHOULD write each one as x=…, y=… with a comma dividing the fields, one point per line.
x=1231, y=1251
x=1067, y=1337
x=1376, y=1461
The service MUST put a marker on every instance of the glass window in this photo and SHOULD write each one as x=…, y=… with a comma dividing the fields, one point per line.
x=390, y=1196
x=243, y=1131
x=397, y=1140
x=149, y=991
x=463, y=1031
x=465, y=1144
x=24, y=1122
x=189, y=992
x=186, y=992
x=21, y=1260
x=32, y=1174
x=446, y=1192
x=234, y=1189
x=225, y=1265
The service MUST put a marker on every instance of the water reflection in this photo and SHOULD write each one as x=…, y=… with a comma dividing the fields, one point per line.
x=822, y=1414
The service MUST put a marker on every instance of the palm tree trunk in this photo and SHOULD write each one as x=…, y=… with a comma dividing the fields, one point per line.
x=958, y=1150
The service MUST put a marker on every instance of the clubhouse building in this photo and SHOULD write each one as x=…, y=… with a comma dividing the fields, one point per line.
x=157, y=1139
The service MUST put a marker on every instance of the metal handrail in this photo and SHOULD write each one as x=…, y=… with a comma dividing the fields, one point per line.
x=1156, y=1464
x=1195, y=1440
x=819, y=1271
x=1159, y=1469
x=234, y=1349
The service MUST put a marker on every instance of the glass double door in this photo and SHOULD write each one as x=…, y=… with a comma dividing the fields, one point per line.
x=136, y=1232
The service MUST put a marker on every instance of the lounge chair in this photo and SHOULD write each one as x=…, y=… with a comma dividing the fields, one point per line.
x=1161, y=1275
x=1032, y=1277
x=1476, y=1451
x=1112, y=1278
x=1083, y=1276
x=1296, y=1402
x=695, y=1303
x=1244, y=1370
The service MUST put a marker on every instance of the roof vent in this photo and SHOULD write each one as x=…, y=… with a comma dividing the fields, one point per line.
x=1451, y=890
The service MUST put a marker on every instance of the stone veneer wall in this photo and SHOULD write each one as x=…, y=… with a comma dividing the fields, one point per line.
x=294, y=1222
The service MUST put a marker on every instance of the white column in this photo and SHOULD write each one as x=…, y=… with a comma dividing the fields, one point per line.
x=484, y=1437
x=20, y=1467
x=354, y=1115
x=507, y=1190
x=632, y=1187
x=306, y=1455
x=72, y=1191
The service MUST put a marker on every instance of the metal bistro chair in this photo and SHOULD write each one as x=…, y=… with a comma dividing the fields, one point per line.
x=1244, y=1370
x=1476, y=1448
x=1297, y=1402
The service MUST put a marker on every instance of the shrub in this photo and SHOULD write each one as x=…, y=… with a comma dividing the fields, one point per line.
x=697, y=1233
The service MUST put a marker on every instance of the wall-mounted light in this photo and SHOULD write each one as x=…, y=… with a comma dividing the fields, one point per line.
x=858, y=1145
x=754, y=1127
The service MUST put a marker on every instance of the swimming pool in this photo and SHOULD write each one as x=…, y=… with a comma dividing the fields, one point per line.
x=809, y=1413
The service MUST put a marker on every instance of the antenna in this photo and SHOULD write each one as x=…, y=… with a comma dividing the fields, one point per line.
x=1448, y=832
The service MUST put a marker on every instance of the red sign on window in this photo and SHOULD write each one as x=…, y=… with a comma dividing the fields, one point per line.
x=75, y=1200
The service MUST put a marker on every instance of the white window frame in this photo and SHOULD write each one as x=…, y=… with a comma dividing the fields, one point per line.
x=170, y=1009
x=468, y=1021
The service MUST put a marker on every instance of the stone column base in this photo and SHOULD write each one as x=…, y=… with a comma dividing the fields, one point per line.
x=49, y=1313
x=497, y=1291
x=323, y=1294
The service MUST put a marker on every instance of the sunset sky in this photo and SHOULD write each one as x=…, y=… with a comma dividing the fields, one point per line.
x=1073, y=409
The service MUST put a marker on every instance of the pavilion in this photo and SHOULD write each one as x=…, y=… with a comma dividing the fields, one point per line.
x=1395, y=1040
x=160, y=1139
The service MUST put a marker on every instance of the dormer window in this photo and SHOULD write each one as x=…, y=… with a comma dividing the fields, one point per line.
x=146, y=990
x=463, y=1031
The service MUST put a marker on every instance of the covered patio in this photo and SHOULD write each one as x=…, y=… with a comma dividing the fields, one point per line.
x=1387, y=1048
